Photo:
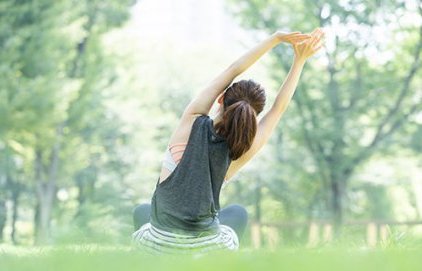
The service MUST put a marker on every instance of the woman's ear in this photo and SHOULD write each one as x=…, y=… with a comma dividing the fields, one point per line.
x=221, y=98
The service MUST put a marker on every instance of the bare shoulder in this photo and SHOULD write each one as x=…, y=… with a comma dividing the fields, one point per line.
x=183, y=129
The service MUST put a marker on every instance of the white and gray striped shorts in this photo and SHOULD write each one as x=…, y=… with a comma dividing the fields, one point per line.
x=156, y=241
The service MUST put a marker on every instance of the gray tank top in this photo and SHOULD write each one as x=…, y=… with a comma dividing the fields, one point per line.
x=187, y=201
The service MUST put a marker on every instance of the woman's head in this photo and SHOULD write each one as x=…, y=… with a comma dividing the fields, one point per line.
x=242, y=102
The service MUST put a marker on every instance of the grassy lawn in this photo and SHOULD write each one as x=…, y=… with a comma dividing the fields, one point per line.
x=92, y=257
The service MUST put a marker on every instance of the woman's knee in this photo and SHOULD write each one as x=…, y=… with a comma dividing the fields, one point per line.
x=142, y=209
x=141, y=215
x=239, y=211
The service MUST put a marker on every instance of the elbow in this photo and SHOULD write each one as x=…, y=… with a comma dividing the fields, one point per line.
x=280, y=107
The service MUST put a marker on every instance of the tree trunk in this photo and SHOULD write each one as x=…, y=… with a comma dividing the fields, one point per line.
x=258, y=204
x=85, y=182
x=3, y=216
x=46, y=192
x=4, y=189
x=35, y=222
x=337, y=204
x=46, y=188
x=338, y=194
x=79, y=215
x=256, y=230
x=15, y=201
x=42, y=212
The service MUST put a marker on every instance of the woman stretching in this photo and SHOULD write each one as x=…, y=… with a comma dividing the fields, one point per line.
x=184, y=214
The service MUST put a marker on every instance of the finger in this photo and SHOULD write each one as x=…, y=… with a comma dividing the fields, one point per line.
x=304, y=36
x=296, y=40
x=301, y=43
x=316, y=49
x=293, y=42
x=315, y=31
x=310, y=41
x=300, y=38
x=321, y=43
x=318, y=32
x=297, y=35
x=321, y=34
x=288, y=35
x=315, y=41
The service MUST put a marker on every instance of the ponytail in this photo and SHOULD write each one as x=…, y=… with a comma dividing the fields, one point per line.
x=243, y=101
x=239, y=127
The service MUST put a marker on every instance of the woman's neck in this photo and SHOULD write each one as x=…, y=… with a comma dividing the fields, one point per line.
x=217, y=119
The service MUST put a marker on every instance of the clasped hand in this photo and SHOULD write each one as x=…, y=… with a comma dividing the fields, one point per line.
x=304, y=45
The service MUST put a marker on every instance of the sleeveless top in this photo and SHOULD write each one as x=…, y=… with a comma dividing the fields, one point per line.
x=172, y=157
x=187, y=201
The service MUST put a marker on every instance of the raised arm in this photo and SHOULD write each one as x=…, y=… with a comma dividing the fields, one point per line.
x=269, y=121
x=203, y=102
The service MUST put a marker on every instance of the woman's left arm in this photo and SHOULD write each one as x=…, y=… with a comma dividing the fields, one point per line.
x=269, y=121
x=203, y=102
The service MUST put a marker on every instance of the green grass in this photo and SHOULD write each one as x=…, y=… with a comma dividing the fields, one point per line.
x=92, y=257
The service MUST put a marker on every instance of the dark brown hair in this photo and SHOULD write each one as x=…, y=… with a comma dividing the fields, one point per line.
x=243, y=101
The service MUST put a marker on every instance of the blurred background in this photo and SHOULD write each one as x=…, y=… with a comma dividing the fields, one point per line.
x=90, y=92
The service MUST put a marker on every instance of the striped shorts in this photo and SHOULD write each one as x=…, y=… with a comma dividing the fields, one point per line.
x=156, y=241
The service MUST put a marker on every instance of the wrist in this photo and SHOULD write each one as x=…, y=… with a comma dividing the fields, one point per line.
x=278, y=37
x=299, y=60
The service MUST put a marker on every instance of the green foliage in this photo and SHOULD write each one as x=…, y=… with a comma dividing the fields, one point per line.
x=54, y=80
x=351, y=99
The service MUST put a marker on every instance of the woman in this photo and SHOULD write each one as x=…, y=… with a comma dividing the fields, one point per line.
x=184, y=214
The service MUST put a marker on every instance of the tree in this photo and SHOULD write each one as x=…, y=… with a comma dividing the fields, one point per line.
x=51, y=62
x=350, y=103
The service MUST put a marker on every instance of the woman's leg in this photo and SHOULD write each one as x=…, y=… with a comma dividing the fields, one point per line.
x=236, y=217
x=141, y=215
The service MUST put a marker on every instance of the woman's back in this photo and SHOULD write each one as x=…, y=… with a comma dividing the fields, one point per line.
x=187, y=201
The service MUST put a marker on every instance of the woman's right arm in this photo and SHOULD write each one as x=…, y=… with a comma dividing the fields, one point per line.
x=267, y=124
